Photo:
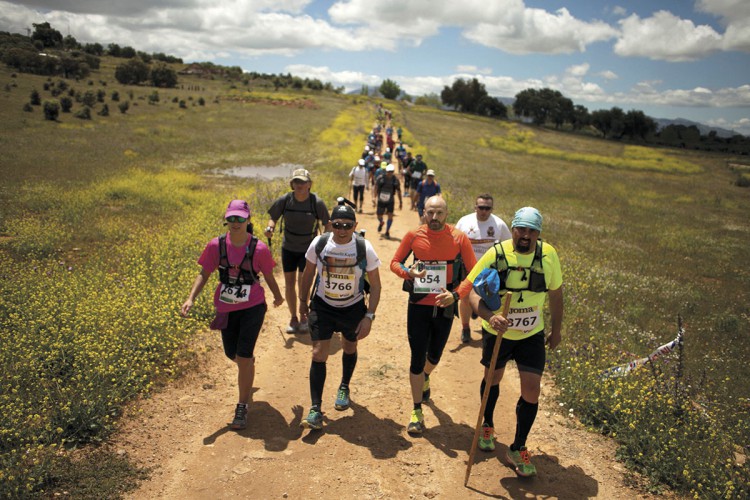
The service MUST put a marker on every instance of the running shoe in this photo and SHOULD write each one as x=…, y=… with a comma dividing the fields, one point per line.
x=293, y=325
x=466, y=335
x=521, y=461
x=303, y=325
x=487, y=438
x=240, y=418
x=342, y=399
x=416, y=423
x=314, y=420
x=426, y=390
x=387, y=235
x=380, y=226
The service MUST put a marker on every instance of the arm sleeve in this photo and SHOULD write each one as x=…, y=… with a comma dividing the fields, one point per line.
x=470, y=261
x=263, y=260
x=322, y=210
x=277, y=208
x=402, y=252
x=209, y=259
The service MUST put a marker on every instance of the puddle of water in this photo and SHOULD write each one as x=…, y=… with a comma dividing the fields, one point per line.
x=280, y=171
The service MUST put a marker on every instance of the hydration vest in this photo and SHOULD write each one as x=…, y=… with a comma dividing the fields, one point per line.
x=533, y=275
x=288, y=200
x=458, y=274
x=361, y=261
x=246, y=274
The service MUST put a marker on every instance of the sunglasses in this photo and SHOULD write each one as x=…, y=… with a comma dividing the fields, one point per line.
x=479, y=207
x=236, y=218
x=343, y=225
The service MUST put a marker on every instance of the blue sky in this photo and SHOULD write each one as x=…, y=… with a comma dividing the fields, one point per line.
x=669, y=58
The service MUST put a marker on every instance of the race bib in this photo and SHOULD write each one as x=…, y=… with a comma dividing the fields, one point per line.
x=434, y=280
x=524, y=319
x=338, y=286
x=385, y=197
x=234, y=294
x=416, y=175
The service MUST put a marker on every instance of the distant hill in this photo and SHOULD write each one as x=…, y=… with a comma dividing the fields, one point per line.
x=704, y=129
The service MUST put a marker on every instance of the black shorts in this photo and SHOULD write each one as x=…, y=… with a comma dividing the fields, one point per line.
x=385, y=208
x=292, y=261
x=529, y=353
x=325, y=319
x=241, y=333
x=415, y=182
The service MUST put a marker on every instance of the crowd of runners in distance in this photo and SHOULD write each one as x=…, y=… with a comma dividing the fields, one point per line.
x=332, y=284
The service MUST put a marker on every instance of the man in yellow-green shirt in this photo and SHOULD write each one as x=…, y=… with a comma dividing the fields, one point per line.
x=531, y=270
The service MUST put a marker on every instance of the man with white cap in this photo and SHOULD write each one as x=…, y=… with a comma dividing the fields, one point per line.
x=484, y=229
x=427, y=188
x=358, y=180
x=386, y=188
x=530, y=269
x=301, y=211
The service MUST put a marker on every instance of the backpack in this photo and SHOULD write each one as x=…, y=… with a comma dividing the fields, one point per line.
x=247, y=275
x=396, y=183
x=534, y=274
x=288, y=199
x=361, y=262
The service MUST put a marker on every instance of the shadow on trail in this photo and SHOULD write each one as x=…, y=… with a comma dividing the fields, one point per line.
x=554, y=480
x=448, y=436
x=265, y=423
x=290, y=339
x=358, y=426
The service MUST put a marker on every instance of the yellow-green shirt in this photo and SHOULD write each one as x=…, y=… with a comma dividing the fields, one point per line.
x=527, y=317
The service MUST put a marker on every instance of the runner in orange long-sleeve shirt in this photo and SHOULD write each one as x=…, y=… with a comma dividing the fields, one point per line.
x=442, y=256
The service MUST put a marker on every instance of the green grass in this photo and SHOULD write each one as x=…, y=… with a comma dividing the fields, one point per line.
x=120, y=204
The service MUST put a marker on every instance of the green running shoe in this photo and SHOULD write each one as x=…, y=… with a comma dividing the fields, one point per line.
x=313, y=421
x=487, y=438
x=416, y=424
x=342, y=399
x=521, y=461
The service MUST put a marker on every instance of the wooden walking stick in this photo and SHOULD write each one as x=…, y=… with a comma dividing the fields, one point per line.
x=485, y=396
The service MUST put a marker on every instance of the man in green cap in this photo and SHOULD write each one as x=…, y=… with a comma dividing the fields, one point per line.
x=531, y=270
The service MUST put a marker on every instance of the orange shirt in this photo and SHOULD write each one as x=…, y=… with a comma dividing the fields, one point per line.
x=428, y=245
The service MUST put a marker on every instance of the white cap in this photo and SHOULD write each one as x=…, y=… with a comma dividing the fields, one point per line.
x=430, y=172
x=361, y=161
x=390, y=168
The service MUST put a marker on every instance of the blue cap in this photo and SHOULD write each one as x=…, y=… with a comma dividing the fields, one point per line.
x=527, y=217
x=487, y=286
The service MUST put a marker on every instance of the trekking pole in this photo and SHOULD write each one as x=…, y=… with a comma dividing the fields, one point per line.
x=485, y=396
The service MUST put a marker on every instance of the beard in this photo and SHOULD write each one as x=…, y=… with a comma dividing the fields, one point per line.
x=523, y=245
x=435, y=225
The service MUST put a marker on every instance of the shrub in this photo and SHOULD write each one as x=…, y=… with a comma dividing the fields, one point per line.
x=115, y=96
x=104, y=111
x=34, y=98
x=100, y=95
x=66, y=103
x=123, y=106
x=132, y=72
x=153, y=98
x=183, y=105
x=51, y=110
x=84, y=113
x=175, y=100
x=28, y=107
x=201, y=101
x=89, y=98
x=46, y=86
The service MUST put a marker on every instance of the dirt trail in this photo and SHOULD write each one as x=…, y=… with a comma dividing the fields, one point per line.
x=363, y=452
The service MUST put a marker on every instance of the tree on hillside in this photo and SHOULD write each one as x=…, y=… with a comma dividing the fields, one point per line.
x=46, y=34
x=114, y=50
x=132, y=72
x=638, y=125
x=70, y=43
x=492, y=107
x=609, y=122
x=95, y=49
x=581, y=117
x=464, y=95
x=163, y=76
x=389, y=89
x=543, y=105
x=432, y=100
x=127, y=52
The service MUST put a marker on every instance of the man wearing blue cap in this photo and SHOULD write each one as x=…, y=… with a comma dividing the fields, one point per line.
x=531, y=270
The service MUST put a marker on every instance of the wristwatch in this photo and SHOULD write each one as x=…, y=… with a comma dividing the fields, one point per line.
x=370, y=316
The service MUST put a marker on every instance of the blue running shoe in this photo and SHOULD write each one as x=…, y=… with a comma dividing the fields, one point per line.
x=342, y=399
x=313, y=421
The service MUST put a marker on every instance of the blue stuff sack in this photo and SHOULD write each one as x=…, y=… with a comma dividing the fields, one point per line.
x=487, y=286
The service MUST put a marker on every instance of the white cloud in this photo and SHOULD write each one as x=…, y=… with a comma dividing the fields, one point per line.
x=619, y=11
x=473, y=69
x=741, y=126
x=608, y=75
x=538, y=31
x=578, y=70
x=665, y=36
